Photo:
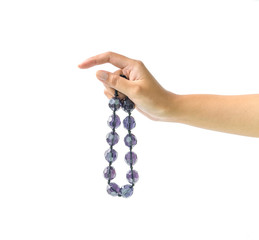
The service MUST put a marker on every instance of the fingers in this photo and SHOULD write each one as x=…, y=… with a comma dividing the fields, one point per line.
x=115, y=59
x=111, y=90
x=116, y=82
x=108, y=95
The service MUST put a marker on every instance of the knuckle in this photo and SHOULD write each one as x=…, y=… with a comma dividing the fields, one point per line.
x=113, y=80
x=137, y=89
x=139, y=63
x=108, y=53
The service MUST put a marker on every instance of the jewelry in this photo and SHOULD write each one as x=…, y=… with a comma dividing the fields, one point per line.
x=130, y=140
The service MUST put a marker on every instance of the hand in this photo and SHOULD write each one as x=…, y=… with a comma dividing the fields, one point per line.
x=150, y=98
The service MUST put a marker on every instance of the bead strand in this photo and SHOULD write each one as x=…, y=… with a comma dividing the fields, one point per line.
x=114, y=104
x=131, y=167
x=130, y=140
x=111, y=146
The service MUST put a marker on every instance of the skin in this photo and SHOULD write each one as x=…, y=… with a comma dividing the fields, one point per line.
x=235, y=114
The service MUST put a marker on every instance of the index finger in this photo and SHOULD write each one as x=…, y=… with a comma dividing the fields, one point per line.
x=115, y=59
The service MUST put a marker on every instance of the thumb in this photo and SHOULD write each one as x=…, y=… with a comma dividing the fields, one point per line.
x=115, y=81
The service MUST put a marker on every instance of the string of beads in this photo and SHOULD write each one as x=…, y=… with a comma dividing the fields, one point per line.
x=130, y=140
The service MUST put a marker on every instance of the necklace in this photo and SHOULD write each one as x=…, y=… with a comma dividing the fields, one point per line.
x=130, y=140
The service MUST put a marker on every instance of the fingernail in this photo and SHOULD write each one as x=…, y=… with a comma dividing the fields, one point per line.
x=102, y=75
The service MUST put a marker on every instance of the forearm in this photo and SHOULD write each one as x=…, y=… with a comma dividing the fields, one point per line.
x=236, y=114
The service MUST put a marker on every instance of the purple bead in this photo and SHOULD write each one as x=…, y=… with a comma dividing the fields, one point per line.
x=112, y=138
x=131, y=159
x=128, y=105
x=114, y=104
x=111, y=121
x=112, y=172
x=129, y=122
x=126, y=191
x=113, y=189
x=135, y=176
x=110, y=156
x=130, y=140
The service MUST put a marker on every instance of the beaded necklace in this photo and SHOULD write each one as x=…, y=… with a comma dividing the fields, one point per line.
x=130, y=140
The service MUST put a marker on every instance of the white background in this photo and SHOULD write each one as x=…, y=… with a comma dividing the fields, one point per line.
x=194, y=183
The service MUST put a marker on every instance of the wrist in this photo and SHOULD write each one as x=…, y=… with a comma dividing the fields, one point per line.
x=171, y=110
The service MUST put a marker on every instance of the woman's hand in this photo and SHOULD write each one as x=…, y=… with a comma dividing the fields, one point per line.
x=150, y=98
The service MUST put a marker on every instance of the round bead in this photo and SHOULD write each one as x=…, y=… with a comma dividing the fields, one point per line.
x=135, y=176
x=114, y=104
x=130, y=140
x=128, y=105
x=112, y=138
x=131, y=159
x=115, y=121
x=126, y=191
x=113, y=189
x=111, y=155
x=112, y=172
x=129, y=122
